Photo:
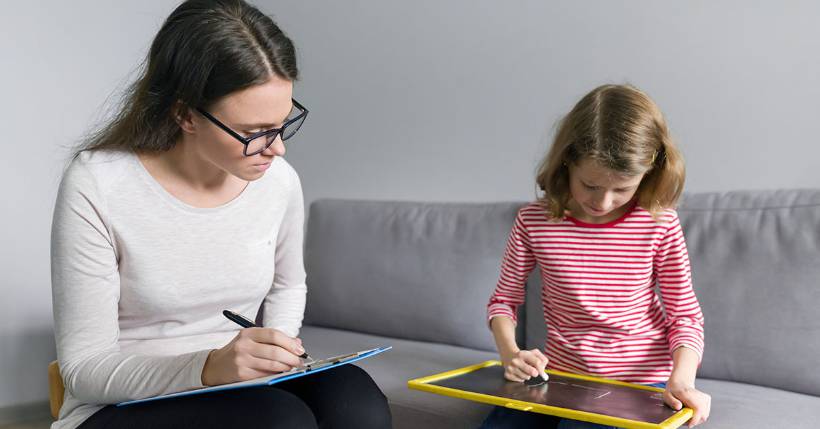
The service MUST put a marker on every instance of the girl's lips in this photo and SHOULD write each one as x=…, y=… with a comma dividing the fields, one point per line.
x=262, y=167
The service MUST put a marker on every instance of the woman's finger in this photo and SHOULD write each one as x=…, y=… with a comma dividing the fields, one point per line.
x=265, y=367
x=275, y=337
x=273, y=353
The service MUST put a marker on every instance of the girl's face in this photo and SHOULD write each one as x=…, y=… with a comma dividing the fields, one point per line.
x=256, y=108
x=600, y=195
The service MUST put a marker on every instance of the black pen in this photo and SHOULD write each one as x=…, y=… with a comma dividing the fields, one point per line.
x=245, y=323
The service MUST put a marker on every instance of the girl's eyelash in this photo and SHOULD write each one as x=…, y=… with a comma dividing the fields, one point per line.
x=621, y=191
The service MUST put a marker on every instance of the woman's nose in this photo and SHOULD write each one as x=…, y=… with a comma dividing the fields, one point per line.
x=277, y=148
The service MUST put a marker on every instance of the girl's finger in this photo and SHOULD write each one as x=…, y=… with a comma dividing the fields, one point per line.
x=530, y=364
x=697, y=418
x=541, y=356
x=510, y=374
x=520, y=373
x=672, y=401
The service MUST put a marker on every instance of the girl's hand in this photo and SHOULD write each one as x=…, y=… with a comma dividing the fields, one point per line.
x=521, y=365
x=253, y=353
x=678, y=394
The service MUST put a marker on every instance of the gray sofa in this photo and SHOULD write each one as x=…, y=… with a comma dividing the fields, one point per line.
x=417, y=276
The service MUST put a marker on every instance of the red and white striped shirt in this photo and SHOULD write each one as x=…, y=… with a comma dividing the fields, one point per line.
x=603, y=314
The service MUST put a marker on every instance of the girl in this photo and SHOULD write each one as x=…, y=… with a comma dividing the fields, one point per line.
x=603, y=235
x=179, y=208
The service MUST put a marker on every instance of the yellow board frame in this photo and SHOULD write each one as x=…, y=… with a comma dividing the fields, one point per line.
x=423, y=385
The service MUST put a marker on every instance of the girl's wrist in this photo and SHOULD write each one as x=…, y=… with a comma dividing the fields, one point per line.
x=680, y=380
x=503, y=329
x=508, y=352
x=684, y=367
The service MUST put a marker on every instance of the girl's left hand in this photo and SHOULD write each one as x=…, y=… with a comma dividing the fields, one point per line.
x=677, y=395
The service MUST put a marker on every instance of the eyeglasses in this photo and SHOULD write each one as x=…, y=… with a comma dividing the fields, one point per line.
x=258, y=142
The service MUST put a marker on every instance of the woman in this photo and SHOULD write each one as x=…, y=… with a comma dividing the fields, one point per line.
x=183, y=206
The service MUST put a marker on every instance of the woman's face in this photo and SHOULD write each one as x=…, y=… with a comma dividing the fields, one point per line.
x=600, y=193
x=256, y=108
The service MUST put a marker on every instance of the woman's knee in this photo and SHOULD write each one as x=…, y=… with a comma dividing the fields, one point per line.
x=275, y=409
x=358, y=400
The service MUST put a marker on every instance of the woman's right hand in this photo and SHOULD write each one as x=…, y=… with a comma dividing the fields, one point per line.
x=253, y=353
x=521, y=365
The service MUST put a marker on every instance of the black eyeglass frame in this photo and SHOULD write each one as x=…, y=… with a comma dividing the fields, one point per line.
x=246, y=141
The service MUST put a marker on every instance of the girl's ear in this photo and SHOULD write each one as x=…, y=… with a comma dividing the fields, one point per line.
x=183, y=116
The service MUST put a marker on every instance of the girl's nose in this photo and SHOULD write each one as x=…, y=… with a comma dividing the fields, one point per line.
x=602, y=201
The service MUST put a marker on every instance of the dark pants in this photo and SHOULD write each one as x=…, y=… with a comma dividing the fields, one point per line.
x=343, y=397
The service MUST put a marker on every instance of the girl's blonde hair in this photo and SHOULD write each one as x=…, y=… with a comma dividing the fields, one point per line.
x=622, y=129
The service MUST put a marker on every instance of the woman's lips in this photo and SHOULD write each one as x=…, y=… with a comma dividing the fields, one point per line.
x=262, y=167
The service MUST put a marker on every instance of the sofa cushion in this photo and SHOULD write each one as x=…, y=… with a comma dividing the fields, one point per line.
x=420, y=271
x=739, y=405
x=407, y=360
x=734, y=405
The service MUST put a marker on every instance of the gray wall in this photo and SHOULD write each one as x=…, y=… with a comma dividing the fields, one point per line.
x=456, y=100
x=423, y=100
x=60, y=61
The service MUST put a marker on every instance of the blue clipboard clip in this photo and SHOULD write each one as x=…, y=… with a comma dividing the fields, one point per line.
x=327, y=363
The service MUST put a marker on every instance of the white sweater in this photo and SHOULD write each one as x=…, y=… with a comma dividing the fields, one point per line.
x=140, y=279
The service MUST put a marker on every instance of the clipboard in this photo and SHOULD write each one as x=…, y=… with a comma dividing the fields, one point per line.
x=301, y=371
x=573, y=396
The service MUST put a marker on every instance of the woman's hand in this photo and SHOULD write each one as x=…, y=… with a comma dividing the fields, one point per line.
x=680, y=394
x=521, y=365
x=253, y=353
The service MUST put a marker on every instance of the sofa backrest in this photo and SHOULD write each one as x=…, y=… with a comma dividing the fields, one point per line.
x=425, y=272
x=756, y=270
x=419, y=271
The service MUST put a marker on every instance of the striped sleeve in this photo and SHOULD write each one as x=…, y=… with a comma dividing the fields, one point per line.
x=684, y=319
x=516, y=265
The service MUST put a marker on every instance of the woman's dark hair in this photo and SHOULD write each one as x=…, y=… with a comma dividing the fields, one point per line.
x=206, y=49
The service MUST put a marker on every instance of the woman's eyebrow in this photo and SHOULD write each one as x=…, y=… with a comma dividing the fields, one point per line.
x=260, y=125
x=264, y=125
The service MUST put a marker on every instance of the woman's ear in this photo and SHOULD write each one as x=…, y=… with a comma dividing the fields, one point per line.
x=183, y=116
